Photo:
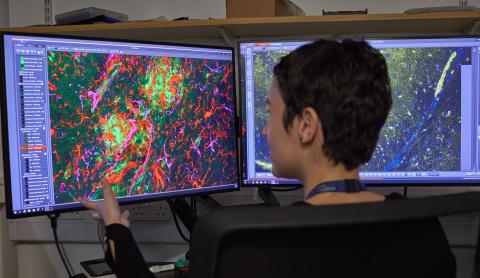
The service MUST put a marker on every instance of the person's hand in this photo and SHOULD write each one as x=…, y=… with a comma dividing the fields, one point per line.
x=108, y=209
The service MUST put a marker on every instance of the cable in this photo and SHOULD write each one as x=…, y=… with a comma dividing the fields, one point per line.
x=100, y=236
x=176, y=222
x=53, y=224
x=66, y=257
x=193, y=203
x=287, y=189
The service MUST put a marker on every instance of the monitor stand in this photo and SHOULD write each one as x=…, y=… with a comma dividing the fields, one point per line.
x=185, y=212
x=209, y=202
x=266, y=194
x=188, y=214
x=189, y=217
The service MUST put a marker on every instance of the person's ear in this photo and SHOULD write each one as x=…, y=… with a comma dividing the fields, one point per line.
x=308, y=125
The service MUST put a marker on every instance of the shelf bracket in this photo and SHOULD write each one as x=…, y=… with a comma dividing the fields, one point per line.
x=227, y=36
x=472, y=28
x=48, y=12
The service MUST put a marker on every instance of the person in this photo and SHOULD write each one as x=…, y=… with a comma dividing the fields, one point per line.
x=327, y=104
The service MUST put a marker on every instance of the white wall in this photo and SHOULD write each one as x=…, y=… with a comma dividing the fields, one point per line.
x=313, y=7
x=42, y=258
x=3, y=13
x=30, y=12
x=8, y=249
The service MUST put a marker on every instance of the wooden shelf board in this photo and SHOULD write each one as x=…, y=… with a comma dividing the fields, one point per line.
x=454, y=23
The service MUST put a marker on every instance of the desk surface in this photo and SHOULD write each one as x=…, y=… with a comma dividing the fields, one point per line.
x=165, y=274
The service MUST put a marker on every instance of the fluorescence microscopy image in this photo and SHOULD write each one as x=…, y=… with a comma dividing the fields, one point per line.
x=422, y=132
x=145, y=123
x=263, y=64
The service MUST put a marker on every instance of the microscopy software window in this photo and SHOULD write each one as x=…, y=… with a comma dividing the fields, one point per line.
x=156, y=120
x=432, y=133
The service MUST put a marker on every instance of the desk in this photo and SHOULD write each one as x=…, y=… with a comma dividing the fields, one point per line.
x=165, y=274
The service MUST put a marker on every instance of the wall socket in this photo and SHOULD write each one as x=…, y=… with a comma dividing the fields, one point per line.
x=155, y=211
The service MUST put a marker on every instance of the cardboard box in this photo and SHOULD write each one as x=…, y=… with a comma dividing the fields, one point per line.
x=259, y=8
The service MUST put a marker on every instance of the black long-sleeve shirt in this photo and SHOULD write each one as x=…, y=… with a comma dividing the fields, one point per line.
x=129, y=261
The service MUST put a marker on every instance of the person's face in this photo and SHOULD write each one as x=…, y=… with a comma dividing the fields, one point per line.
x=280, y=142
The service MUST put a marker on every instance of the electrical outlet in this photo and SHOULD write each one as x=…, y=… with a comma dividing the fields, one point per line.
x=74, y=215
x=155, y=211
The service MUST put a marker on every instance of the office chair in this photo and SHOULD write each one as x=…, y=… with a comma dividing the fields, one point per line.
x=400, y=238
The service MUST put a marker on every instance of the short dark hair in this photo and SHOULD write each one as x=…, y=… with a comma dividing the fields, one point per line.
x=347, y=84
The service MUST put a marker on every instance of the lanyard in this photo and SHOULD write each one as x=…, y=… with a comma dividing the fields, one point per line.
x=348, y=186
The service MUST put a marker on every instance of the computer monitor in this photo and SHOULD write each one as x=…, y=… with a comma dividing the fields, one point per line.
x=156, y=120
x=431, y=136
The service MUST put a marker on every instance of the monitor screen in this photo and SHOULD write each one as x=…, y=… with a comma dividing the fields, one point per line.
x=432, y=133
x=155, y=120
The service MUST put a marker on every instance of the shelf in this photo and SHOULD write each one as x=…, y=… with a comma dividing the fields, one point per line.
x=453, y=23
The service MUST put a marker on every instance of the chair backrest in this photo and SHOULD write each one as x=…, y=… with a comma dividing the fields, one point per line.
x=401, y=238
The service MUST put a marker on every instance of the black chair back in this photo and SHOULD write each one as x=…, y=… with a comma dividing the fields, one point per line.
x=401, y=238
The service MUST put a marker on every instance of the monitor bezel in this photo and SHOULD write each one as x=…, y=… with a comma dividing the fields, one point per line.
x=291, y=183
x=78, y=206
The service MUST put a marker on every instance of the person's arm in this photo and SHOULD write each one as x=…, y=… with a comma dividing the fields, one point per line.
x=122, y=255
